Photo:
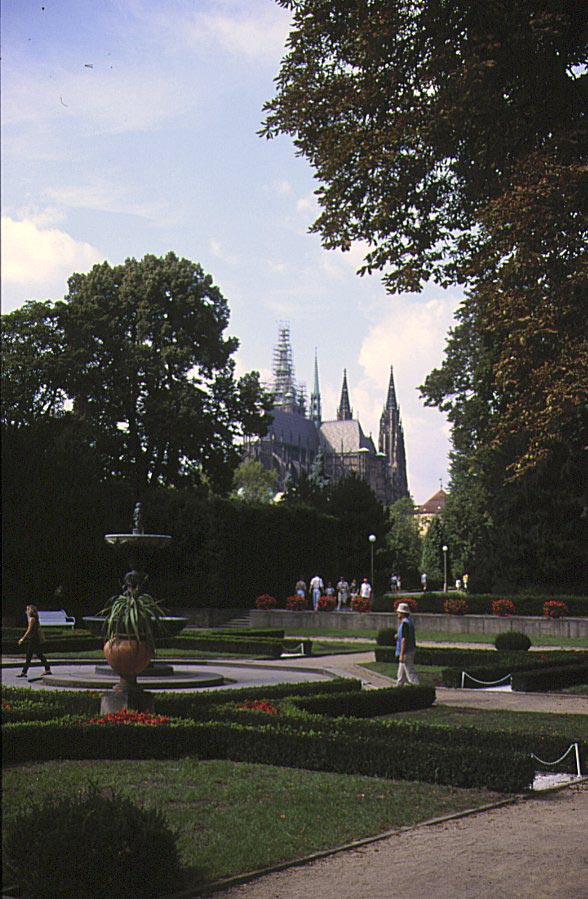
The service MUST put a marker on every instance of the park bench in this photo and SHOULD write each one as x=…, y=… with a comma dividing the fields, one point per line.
x=56, y=619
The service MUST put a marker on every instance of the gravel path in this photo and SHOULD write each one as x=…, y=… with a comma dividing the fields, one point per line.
x=532, y=849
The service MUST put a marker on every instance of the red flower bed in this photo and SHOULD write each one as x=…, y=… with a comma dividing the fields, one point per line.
x=265, y=601
x=296, y=603
x=555, y=608
x=360, y=604
x=503, y=607
x=129, y=716
x=326, y=604
x=458, y=606
x=257, y=705
x=407, y=599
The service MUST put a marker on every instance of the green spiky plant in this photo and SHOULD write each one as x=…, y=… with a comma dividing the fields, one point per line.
x=133, y=615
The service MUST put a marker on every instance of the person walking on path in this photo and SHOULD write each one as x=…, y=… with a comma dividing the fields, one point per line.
x=34, y=637
x=316, y=588
x=301, y=587
x=405, y=647
x=424, y=582
x=342, y=593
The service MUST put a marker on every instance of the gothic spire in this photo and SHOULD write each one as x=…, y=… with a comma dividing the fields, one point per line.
x=315, y=396
x=344, y=412
x=391, y=400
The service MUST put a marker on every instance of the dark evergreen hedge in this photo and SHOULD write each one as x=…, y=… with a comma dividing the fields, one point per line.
x=550, y=678
x=274, y=744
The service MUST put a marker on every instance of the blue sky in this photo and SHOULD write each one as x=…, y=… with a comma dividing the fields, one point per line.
x=129, y=127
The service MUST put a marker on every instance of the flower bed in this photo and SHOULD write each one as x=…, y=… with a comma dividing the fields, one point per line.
x=326, y=604
x=503, y=608
x=296, y=603
x=265, y=601
x=360, y=604
x=457, y=606
x=257, y=705
x=555, y=608
x=130, y=716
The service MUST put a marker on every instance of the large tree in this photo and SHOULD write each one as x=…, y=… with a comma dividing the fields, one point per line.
x=136, y=355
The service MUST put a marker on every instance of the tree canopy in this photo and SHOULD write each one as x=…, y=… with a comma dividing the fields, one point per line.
x=450, y=137
x=136, y=355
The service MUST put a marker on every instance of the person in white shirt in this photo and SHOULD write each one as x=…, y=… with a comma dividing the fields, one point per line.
x=316, y=588
x=365, y=591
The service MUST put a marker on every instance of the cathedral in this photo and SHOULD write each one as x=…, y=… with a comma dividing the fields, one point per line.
x=299, y=440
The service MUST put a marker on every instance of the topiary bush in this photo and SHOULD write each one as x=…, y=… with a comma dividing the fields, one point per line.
x=127, y=850
x=386, y=637
x=512, y=641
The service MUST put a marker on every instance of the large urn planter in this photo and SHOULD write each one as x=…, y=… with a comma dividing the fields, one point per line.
x=128, y=657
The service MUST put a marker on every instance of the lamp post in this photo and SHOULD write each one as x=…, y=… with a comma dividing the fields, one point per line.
x=372, y=539
x=444, y=548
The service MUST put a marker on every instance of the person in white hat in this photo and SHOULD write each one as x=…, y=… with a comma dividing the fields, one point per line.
x=405, y=646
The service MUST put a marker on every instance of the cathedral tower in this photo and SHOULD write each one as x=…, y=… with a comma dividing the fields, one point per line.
x=391, y=442
x=315, y=397
x=344, y=412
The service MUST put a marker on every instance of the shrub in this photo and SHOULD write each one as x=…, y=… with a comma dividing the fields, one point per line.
x=555, y=608
x=407, y=599
x=503, y=607
x=296, y=603
x=512, y=641
x=326, y=604
x=127, y=850
x=457, y=606
x=265, y=601
x=386, y=637
x=360, y=604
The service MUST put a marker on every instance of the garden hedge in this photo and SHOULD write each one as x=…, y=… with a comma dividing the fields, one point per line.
x=277, y=743
x=550, y=678
x=460, y=658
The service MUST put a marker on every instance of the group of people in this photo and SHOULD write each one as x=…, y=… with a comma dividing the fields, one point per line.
x=460, y=584
x=344, y=591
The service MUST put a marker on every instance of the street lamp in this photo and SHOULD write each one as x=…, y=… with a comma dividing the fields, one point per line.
x=372, y=539
x=444, y=548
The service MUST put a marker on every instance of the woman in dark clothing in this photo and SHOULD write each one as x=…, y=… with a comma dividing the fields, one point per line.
x=33, y=637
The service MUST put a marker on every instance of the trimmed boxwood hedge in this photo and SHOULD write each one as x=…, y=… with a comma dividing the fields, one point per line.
x=369, y=702
x=451, y=677
x=277, y=743
x=550, y=678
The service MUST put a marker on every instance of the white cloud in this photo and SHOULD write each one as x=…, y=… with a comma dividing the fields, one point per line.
x=37, y=261
x=101, y=196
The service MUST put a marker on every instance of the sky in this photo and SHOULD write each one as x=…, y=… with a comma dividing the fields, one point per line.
x=131, y=127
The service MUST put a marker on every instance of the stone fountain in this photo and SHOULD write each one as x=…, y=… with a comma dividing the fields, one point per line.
x=128, y=693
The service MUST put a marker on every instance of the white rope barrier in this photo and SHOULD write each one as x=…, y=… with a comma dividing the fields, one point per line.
x=297, y=651
x=485, y=683
x=575, y=746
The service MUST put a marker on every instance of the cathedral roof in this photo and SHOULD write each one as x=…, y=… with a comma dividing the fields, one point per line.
x=293, y=429
x=434, y=505
x=345, y=437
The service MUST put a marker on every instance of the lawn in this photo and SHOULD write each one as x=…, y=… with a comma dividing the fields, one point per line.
x=233, y=818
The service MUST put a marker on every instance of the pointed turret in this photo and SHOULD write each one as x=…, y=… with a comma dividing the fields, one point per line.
x=391, y=442
x=344, y=412
x=315, y=397
x=391, y=399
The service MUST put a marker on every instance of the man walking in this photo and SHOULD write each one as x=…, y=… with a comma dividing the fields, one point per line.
x=316, y=589
x=405, y=647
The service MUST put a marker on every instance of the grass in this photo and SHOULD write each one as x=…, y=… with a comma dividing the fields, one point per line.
x=233, y=818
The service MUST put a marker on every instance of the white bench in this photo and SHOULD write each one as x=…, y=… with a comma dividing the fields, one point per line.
x=56, y=619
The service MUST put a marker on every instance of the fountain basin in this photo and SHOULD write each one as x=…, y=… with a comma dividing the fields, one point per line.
x=139, y=541
x=171, y=625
